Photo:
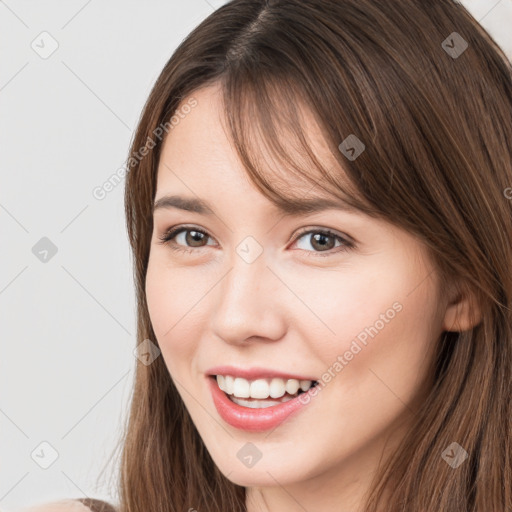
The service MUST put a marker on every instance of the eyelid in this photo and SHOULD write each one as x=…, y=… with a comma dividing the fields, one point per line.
x=346, y=241
x=184, y=227
x=346, y=238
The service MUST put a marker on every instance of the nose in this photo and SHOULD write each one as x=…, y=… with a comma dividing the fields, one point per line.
x=249, y=304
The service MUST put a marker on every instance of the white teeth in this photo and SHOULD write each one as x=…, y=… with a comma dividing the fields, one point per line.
x=292, y=386
x=305, y=384
x=277, y=388
x=241, y=388
x=261, y=388
x=259, y=404
x=221, y=382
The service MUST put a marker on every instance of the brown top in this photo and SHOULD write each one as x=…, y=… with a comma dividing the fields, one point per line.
x=97, y=505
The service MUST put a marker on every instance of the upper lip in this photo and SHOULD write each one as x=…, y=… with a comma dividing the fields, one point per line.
x=255, y=373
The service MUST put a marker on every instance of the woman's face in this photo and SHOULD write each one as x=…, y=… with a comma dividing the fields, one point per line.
x=258, y=291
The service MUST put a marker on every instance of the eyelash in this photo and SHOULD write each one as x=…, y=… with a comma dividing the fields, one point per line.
x=173, y=232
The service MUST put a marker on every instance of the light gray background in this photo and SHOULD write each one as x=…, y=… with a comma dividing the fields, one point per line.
x=68, y=324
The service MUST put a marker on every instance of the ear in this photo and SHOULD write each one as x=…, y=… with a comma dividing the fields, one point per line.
x=462, y=311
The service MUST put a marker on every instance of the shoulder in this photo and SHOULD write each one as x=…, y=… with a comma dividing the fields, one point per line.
x=58, y=506
x=76, y=505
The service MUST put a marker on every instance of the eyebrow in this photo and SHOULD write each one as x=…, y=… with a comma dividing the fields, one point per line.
x=298, y=207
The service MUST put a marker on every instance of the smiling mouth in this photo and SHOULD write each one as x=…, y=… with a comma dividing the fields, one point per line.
x=261, y=393
x=254, y=414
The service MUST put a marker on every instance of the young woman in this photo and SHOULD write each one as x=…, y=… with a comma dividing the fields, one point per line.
x=319, y=205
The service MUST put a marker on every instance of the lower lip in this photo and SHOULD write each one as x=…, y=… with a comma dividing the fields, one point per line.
x=255, y=420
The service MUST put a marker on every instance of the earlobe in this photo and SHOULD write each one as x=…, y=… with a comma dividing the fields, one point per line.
x=462, y=313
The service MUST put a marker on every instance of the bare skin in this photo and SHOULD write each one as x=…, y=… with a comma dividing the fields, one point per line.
x=292, y=309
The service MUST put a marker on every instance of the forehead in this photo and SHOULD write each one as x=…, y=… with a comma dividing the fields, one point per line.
x=199, y=157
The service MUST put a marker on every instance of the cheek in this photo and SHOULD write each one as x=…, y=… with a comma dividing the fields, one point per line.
x=376, y=326
x=344, y=305
x=387, y=349
x=158, y=297
x=170, y=303
x=375, y=364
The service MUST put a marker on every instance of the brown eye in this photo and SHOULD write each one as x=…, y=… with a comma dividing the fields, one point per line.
x=186, y=239
x=193, y=238
x=323, y=241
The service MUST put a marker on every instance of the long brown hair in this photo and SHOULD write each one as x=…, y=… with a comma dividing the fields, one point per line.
x=429, y=93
